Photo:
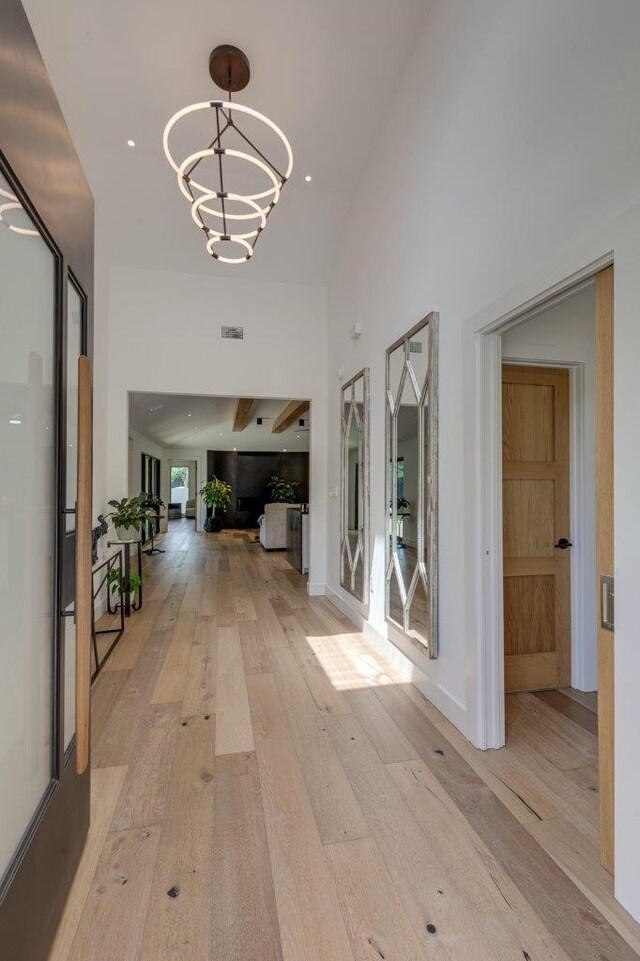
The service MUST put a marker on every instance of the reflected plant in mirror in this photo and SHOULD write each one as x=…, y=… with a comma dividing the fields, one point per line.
x=354, y=514
x=412, y=485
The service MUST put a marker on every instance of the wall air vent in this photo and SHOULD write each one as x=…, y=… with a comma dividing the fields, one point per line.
x=232, y=333
x=415, y=346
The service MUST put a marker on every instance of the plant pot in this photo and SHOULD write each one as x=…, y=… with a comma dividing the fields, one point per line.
x=126, y=533
x=216, y=525
x=208, y=525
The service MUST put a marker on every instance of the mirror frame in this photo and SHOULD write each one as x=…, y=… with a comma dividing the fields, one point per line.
x=427, y=506
x=347, y=396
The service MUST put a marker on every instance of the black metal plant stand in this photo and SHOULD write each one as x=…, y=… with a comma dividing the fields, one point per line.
x=127, y=603
x=111, y=563
x=155, y=550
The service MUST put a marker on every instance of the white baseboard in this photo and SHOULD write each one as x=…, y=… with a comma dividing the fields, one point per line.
x=316, y=590
x=346, y=608
x=452, y=709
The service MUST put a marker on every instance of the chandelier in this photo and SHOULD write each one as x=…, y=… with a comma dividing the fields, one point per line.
x=232, y=220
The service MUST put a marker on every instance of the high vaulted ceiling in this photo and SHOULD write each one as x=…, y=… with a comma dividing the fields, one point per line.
x=192, y=421
x=326, y=71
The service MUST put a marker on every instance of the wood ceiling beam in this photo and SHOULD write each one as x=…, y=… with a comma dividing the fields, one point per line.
x=286, y=417
x=243, y=410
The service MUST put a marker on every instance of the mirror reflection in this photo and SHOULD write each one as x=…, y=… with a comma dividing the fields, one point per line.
x=354, y=540
x=411, y=423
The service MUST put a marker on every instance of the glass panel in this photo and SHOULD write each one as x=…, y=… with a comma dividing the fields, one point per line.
x=395, y=601
x=354, y=452
x=27, y=518
x=74, y=346
x=419, y=612
x=69, y=627
x=407, y=479
x=419, y=356
x=396, y=369
x=412, y=483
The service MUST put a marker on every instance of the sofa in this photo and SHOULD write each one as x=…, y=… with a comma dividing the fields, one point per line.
x=190, y=508
x=273, y=526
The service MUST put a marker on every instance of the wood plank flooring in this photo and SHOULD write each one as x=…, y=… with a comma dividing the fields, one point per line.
x=267, y=788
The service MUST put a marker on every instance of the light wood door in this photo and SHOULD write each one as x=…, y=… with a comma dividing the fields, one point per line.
x=604, y=552
x=535, y=478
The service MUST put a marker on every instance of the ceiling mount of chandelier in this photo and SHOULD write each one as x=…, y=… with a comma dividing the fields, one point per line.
x=231, y=182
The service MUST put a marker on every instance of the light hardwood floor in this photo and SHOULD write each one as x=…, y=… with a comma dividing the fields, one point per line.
x=267, y=788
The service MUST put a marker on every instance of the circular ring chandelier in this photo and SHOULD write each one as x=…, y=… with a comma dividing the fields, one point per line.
x=233, y=217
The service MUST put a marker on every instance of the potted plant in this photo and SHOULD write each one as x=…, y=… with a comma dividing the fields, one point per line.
x=151, y=504
x=282, y=491
x=117, y=587
x=127, y=515
x=216, y=495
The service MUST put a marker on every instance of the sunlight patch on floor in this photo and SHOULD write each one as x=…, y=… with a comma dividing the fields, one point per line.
x=346, y=664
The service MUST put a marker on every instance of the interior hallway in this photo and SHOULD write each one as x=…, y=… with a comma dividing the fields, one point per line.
x=266, y=787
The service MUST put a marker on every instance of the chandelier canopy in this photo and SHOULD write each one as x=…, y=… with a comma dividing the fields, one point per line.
x=231, y=217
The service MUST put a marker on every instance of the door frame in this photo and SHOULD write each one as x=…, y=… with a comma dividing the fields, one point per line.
x=488, y=363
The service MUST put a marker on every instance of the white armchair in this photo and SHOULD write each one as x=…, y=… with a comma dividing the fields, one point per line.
x=273, y=526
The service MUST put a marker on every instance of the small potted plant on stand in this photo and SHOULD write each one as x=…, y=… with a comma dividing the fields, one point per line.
x=216, y=495
x=117, y=586
x=127, y=515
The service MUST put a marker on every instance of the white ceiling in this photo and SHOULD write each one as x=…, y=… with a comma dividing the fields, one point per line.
x=324, y=70
x=191, y=421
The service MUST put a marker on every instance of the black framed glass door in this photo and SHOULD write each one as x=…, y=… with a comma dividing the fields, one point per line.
x=46, y=276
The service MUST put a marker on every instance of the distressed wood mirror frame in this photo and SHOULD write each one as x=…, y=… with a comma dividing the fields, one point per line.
x=354, y=486
x=411, y=586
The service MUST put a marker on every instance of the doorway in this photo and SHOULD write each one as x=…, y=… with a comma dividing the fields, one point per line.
x=182, y=490
x=538, y=640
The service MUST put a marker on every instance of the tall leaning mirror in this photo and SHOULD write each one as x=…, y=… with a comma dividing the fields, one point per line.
x=354, y=514
x=412, y=486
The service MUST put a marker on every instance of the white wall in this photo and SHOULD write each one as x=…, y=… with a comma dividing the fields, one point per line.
x=283, y=355
x=565, y=334
x=512, y=160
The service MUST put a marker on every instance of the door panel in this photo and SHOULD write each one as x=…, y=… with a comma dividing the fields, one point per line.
x=50, y=209
x=537, y=630
x=604, y=555
x=27, y=520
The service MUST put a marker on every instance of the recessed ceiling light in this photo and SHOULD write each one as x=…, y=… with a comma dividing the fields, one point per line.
x=14, y=420
x=235, y=448
x=297, y=436
x=189, y=415
x=308, y=178
x=131, y=143
x=284, y=450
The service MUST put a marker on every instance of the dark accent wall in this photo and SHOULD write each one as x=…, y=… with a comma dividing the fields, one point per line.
x=248, y=472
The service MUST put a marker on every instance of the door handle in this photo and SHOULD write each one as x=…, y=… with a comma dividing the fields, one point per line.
x=563, y=544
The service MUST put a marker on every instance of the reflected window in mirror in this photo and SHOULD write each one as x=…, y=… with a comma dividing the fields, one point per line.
x=354, y=514
x=412, y=480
